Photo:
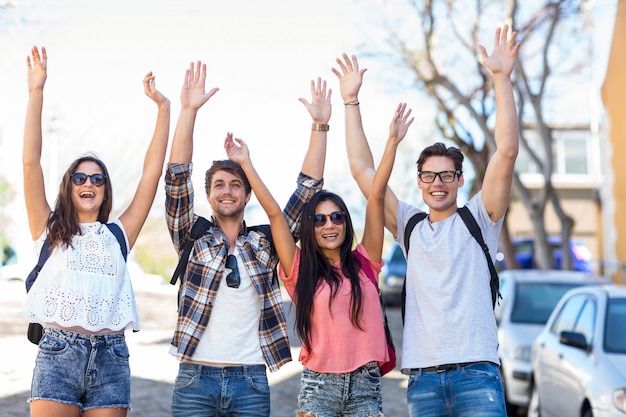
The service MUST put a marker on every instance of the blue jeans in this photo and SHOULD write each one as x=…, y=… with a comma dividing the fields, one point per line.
x=473, y=390
x=207, y=391
x=354, y=394
x=87, y=371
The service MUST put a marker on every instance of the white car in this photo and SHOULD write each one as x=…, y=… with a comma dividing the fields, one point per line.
x=528, y=298
x=579, y=358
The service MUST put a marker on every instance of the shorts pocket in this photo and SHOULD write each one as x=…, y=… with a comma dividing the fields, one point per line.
x=53, y=344
x=120, y=351
x=183, y=381
x=481, y=370
x=259, y=384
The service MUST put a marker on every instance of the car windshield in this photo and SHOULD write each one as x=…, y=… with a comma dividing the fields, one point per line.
x=535, y=301
x=614, y=333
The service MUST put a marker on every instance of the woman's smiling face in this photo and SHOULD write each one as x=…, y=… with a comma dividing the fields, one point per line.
x=87, y=197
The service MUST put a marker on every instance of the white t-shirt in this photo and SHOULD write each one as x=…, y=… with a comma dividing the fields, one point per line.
x=232, y=334
x=449, y=316
x=86, y=284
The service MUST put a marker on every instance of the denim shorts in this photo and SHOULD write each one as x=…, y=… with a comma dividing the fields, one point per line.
x=88, y=371
x=468, y=390
x=352, y=394
x=201, y=391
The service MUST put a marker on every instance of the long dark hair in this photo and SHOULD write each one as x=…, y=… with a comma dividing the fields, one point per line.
x=63, y=224
x=315, y=270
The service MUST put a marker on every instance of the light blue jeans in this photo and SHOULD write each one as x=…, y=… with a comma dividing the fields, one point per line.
x=207, y=391
x=473, y=390
x=352, y=394
x=88, y=371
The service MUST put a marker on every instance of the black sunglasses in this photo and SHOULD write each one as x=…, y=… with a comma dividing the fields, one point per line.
x=232, y=279
x=446, y=177
x=336, y=217
x=80, y=178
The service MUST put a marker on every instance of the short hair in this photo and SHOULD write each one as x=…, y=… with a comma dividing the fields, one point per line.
x=229, y=166
x=439, y=149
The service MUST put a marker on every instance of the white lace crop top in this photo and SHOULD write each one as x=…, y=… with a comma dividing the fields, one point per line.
x=85, y=285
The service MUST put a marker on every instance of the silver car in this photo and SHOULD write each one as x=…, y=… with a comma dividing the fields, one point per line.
x=528, y=298
x=579, y=358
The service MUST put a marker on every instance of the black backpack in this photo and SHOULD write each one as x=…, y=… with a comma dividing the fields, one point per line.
x=200, y=226
x=35, y=330
x=474, y=229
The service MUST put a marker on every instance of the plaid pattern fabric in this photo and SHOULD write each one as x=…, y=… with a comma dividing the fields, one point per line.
x=206, y=267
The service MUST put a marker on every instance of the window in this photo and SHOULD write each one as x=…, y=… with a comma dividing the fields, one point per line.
x=571, y=155
x=568, y=315
x=614, y=334
x=585, y=322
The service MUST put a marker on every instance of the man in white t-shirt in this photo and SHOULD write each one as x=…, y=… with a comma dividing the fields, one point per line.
x=450, y=337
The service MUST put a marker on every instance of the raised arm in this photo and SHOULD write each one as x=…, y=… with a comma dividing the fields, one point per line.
x=135, y=215
x=192, y=97
x=311, y=179
x=237, y=150
x=359, y=153
x=373, y=232
x=320, y=110
x=37, y=207
x=496, y=188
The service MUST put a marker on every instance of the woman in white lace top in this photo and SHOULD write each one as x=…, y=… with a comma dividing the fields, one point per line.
x=83, y=295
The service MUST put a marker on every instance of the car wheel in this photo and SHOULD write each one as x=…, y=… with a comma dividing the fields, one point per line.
x=534, y=409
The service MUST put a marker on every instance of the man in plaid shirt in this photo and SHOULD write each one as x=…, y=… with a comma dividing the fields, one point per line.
x=231, y=323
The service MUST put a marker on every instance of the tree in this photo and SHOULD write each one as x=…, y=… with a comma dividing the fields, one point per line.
x=435, y=41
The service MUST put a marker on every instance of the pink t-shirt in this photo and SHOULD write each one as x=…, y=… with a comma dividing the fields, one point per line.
x=337, y=345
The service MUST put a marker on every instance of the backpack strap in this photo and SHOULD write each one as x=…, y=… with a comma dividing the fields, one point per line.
x=119, y=235
x=43, y=257
x=408, y=229
x=366, y=267
x=200, y=226
x=474, y=229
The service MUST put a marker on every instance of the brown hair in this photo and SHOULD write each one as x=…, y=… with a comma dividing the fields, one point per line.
x=439, y=149
x=229, y=166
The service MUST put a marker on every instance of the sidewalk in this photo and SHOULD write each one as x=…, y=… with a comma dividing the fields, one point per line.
x=153, y=368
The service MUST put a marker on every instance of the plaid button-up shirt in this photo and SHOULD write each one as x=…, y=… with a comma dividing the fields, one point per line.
x=206, y=267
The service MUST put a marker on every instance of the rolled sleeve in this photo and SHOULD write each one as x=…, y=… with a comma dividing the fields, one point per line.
x=307, y=186
x=179, y=196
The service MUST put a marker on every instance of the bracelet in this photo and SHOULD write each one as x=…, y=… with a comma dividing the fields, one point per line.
x=323, y=127
x=352, y=103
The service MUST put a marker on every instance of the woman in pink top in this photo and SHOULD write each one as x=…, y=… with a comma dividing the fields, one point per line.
x=338, y=314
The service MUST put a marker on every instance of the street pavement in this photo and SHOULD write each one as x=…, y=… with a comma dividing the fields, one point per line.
x=153, y=368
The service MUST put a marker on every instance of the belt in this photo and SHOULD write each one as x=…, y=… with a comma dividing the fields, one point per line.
x=440, y=368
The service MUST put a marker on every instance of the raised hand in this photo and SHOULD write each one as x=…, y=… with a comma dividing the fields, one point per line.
x=193, y=94
x=400, y=123
x=236, y=149
x=350, y=77
x=149, y=87
x=320, y=106
x=502, y=59
x=37, y=68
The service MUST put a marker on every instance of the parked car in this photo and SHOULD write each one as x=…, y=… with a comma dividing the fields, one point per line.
x=579, y=358
x=394, y=271
x=392, y=276
x=524, y=248
x=528, y=298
